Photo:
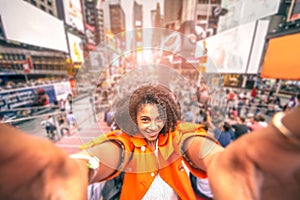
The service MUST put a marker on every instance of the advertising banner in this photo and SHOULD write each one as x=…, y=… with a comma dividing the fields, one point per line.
x=242, y=12
x=62, y=90
x=76, y=51
x=73, y=14
x=228, y=52
x=13, y=103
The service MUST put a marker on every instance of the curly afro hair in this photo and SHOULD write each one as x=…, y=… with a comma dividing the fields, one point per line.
x=127, y=108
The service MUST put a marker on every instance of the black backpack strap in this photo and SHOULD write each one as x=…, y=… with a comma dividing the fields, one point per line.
x=113, y=187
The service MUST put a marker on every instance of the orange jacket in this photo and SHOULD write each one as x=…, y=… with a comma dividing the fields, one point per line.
x=144, y=165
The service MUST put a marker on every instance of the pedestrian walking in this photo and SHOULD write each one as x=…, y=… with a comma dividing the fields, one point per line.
x=49, y=126
x=71, y=119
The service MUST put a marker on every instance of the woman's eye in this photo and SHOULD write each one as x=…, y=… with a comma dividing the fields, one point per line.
x=144, y=119
x=159, y=119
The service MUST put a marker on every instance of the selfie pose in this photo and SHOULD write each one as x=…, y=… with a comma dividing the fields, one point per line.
x=156, y=152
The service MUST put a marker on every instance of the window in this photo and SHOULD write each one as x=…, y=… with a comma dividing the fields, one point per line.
x=33, y=2
x=43, y=7
x=49, y=2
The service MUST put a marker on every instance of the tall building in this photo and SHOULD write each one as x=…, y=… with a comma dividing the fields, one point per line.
x=172, y=14
x=95, y=34
x=138, y=23
x=156, y=19
x=48, y=6
x=117, y=18
x=137, y=15
x=100, y=31
x=90, y=23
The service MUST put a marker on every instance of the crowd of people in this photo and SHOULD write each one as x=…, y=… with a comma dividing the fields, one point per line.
x=63, y=121
x=244, y=112
x=171, y=139
x=156, y=151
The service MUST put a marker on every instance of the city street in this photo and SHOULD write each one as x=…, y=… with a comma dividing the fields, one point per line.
x=89, y=127
x=91, y=130
x=203, y=97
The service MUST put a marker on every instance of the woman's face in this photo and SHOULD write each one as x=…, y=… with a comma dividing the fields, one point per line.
x=149, y=121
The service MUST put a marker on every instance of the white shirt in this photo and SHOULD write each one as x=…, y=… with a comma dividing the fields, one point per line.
x=203, y=187
x=159, y=189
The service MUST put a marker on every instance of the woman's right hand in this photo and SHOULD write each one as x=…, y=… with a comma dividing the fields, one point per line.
x=34, y=168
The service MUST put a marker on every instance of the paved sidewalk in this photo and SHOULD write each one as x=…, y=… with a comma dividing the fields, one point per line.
x=70, y=144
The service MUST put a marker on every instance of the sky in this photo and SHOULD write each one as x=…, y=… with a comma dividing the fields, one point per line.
x=148, y=5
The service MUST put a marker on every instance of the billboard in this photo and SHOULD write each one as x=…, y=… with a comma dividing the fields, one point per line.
x=73, y=14
x=282, y=58
x=241, y=12
x=228, y=51
x=25, y=23
x=76, y=51
x=37, y=96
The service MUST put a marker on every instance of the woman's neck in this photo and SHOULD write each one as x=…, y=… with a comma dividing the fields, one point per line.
x=152, y=144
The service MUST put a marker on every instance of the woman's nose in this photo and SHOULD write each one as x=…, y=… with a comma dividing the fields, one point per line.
x=153, y=125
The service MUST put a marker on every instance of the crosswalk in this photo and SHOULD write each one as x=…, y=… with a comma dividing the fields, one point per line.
x=70, y=144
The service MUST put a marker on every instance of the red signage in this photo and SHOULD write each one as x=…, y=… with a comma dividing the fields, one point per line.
x=26, y=67
x=294, y=12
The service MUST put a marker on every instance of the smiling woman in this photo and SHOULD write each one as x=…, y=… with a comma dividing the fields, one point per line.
x=252, y=167
x=151, y=135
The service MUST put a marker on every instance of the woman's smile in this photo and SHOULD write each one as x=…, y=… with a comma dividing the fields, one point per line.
x=149, y=121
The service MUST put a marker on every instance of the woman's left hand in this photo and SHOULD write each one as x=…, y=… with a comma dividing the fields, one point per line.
x=259, y=165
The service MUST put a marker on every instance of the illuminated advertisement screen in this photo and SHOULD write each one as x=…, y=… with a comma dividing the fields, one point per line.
x=282, y=58
x=73, y=14
x=241, y=12
x=75, y=48
x=25, y=23
x=228, y=52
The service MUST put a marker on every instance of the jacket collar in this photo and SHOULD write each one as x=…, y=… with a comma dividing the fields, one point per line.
x=139, y=140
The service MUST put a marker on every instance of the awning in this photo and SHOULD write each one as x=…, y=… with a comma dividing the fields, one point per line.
x=282, y=59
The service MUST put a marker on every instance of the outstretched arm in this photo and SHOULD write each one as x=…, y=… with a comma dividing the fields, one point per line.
x=263, y=164
x=34, y=168
x=109, y=154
